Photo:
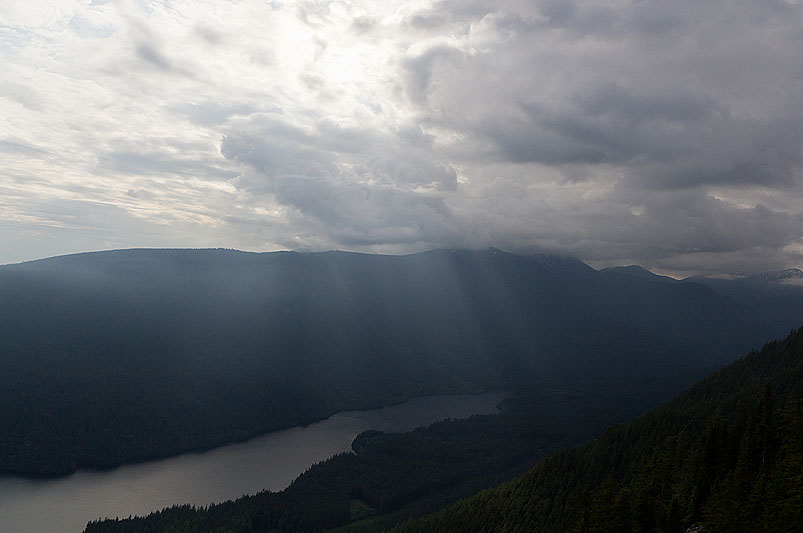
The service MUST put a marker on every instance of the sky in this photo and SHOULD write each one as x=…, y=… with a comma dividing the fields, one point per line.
x=666, y=134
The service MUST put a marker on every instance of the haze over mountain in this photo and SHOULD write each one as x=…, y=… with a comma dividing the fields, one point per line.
x=123, y=355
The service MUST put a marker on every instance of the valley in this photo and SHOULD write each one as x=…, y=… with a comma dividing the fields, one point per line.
x=134, y=355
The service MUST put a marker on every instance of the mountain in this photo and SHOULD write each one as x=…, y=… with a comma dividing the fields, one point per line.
x=777, y=275
x=726, y=455
x=637, y=271
x=115, y=356
x=775, y=295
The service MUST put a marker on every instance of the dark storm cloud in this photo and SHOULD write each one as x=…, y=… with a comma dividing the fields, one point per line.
x=670, y=140
x=646, y=18
x=678, y=104
x=558, y=12
x=521, y=141
x=608, y=124
x=690, y=222
x=616, y=101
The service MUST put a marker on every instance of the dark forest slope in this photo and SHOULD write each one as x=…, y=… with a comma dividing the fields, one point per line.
x=726, y=454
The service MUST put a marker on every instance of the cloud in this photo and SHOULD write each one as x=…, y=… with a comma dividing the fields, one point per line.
x=363, y=24
x=351, y=186
x=156, y=163
x=212, y=113
x=24, y=95
x=147, y=52
x=419, y=68
x=427, y=20
x=616, y=131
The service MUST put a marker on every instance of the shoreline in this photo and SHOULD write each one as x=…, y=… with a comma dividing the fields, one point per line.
x=201, y=450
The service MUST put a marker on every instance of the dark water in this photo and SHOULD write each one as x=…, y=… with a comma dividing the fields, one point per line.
x=268, y=462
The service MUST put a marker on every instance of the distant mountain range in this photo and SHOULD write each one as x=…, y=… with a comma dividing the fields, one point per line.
x=637, y=271
x=772, y=296
x=131, y=354
x=758, y=277
x=777, y=275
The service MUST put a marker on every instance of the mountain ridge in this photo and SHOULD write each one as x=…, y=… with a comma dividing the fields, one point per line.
x=285, y=338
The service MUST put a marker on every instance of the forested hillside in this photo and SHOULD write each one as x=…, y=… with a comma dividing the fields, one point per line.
x=727, y=455
x=114, y=356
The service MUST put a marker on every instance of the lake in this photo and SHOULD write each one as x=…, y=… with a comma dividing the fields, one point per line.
x=270, y=462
